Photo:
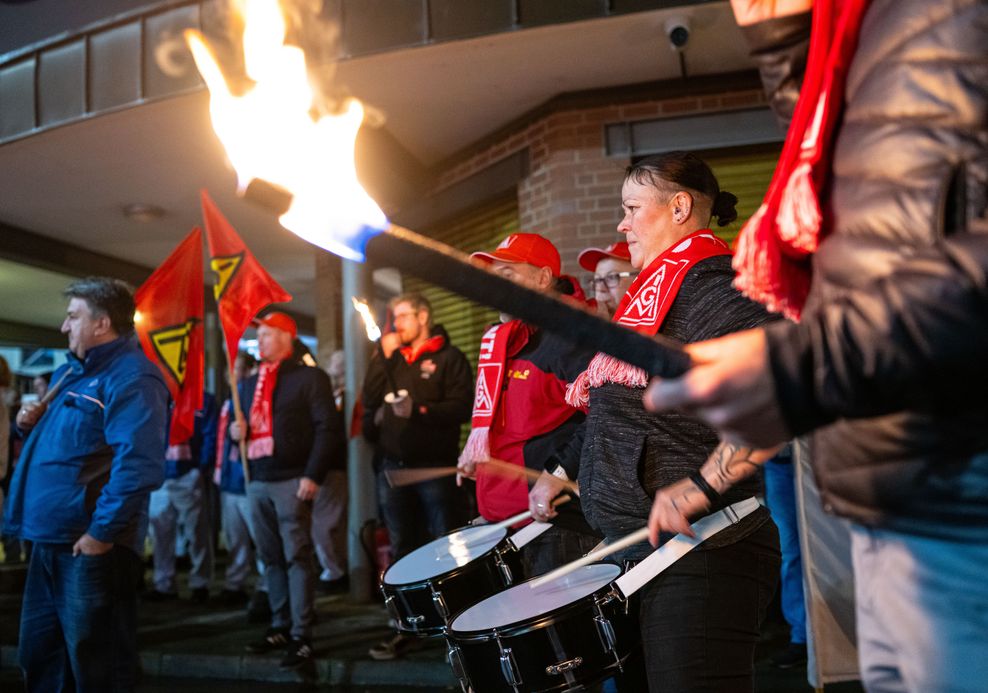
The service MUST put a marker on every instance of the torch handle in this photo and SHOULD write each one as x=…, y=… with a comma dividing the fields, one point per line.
x=386, y=363
x=451, y=269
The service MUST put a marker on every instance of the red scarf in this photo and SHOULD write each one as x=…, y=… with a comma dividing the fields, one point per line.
x=260, y=443
x=429, y=346
x=643, y=308
x=772, y=259
x=500, y=343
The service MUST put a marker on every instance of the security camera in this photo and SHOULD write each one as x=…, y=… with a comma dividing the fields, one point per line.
x=678, y=32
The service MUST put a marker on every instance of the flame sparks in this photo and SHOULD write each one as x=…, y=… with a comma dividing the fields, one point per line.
x=370, y=324
x=270, y=134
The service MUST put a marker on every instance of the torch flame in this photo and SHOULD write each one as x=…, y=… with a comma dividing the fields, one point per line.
x=373, y=331
x=270, y=134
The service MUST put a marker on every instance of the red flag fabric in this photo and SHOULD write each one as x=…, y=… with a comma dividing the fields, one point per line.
x=243, y=287
x=169, y=325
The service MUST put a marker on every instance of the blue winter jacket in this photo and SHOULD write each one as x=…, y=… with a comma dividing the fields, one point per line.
x=94, y=457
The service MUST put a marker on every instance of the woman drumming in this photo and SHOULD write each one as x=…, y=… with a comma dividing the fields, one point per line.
x=700, y=618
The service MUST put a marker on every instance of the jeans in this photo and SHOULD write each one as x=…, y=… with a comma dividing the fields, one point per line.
x=780, y=496
x=281, y=525
x=79, y=621
x=407, y=510
x=701, y=617
x=239, y=545
x=922, y=612
x=180, y=502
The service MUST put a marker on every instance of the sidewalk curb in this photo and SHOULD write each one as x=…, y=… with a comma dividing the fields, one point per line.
x=332, y=671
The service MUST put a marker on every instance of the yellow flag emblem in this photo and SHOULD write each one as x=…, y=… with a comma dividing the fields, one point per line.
x=171, y=344
x=225, y=267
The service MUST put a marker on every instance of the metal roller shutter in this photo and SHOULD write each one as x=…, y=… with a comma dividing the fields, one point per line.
x=746, y=172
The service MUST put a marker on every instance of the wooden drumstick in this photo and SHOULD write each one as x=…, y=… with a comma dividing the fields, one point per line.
x=635, y=537
x=405, y=477
x=53, y=390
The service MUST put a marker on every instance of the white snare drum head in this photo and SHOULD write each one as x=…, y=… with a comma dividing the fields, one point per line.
x=522, y=602
x=443, y=554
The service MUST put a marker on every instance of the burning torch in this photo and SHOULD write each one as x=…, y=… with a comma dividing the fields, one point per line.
x=374, y=335
x=301, y=165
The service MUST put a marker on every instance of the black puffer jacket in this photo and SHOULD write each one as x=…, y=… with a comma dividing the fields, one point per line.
x=910, y=169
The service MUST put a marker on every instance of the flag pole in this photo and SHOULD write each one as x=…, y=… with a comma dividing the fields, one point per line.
x=237, y=412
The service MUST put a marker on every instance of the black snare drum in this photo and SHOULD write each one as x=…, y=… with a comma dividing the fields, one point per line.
x=426, y=588
x=571, y=632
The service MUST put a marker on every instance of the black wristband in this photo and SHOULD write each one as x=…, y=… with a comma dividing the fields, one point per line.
x=706, y=488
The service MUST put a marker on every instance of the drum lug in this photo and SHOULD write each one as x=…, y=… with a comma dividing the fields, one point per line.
x=563, y=667
x=455, y=659
x=389, y=603
x=509, y=667
x=440, y=604
x=606, y=632
x=505, y=569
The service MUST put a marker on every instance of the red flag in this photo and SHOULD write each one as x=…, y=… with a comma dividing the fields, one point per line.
x=169, y=325
x=242, y=286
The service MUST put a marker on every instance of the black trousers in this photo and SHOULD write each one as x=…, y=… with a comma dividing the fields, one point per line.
x=701, y=618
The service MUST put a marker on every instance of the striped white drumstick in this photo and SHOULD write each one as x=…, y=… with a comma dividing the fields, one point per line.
x=635, y=537
x=513, y=520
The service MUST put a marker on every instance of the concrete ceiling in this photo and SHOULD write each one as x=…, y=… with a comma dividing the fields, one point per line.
x=72, y=183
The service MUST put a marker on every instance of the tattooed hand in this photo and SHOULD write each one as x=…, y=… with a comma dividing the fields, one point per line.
x=675, y=504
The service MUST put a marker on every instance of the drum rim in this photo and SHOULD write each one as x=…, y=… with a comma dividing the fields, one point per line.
x=454, y=572
x=516, y=628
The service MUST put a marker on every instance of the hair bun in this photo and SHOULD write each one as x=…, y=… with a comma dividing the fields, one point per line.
x=723, y=208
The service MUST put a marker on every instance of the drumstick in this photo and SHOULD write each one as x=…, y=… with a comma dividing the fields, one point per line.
x=592, y=557
x=507, y=468
x=405, y=477
x=514, y=519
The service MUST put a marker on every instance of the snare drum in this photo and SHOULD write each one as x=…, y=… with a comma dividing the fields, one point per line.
x=427, y=587
x=571, y=632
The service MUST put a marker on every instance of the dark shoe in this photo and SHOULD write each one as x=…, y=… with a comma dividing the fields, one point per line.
x=394, y=647
x=337, y=586
x=156, y=596
x=200, y=595
x=299, y=652
x=274, y=639
x=233, y=598
x=791, y=657
x=259, y=609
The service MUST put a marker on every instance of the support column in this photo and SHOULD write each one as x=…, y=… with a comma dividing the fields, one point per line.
x=362, y=506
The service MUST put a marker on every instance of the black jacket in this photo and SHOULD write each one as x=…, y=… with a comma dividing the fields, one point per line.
x=440, y=384
x=309, y=433
x=910, y=172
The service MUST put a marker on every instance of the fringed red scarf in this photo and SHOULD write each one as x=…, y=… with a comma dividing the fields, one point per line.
x=644, y=309
x=500, y=343
x=772, y=254
x=261, y=440
x=224, y=424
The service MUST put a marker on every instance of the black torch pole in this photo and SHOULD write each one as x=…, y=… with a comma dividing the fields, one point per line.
x=388, y=373
x=452, y=269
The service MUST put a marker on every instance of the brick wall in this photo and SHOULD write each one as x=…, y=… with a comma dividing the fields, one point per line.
x=572, y=194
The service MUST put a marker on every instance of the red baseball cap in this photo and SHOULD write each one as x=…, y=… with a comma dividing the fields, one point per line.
x=279, y=321
x=589, y=258
x=530, y=248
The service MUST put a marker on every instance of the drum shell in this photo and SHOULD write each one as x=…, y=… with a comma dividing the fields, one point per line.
x=554, y=638
x=460, y=589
